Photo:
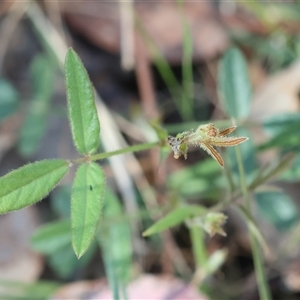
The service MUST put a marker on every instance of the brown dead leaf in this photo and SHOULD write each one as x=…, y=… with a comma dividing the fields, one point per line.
x=278, y=94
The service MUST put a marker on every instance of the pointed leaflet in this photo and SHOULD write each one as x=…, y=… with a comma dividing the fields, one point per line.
x=86, y=205
x=82, y=110
x=175, y=217
x=234, y=84
x=54, y=240
x=65, y=263
x=31, y=183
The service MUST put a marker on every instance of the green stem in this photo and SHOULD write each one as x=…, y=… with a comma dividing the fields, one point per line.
x=199, y=250
x=228, y=175
x=263, y=288
x=135, y=148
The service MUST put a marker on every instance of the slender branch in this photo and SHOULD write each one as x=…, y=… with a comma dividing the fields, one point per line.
x=263, y=288
x=99, y=156
x=198, y=245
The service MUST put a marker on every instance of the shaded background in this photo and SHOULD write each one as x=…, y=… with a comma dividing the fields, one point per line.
x=134, y=54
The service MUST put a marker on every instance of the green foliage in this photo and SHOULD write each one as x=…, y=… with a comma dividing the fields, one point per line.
x=9, y=99
x=276, y=169
x=275, y=51
x=200, y=179
x=31, y=183
x=65, y=262
x=60, y=201
x=83, y=116
x=292, y=174
x=34, y=126
x=279, y=123
x=54, y=241
x=284, y=132
x=280, y=47
x=278, y=208
x=14, y=290
x=51, y=237
x=175, y=217
x=86, y=205
x=234, y=84
x=115, y=240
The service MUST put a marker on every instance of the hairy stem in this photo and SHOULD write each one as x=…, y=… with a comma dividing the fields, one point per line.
x=135, y=148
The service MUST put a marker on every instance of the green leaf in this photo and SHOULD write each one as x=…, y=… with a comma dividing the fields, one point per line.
x=35, y=123
x=175, y=217
x=162, y=133
x=9, y=99
x=278, y=208
x=86, y=205
x=110, y=270
x=54, y=240
x=287, y=138
x=16, y=290
x=41, y=74
x=51, y=237
x=199, y=170
x=278, y=123
x=199, y=179
x=61, y=201
x=64, y=261
x=234, y=84
x=292, y=173
x=83, y=115
x=31, y=183
x=115, y=240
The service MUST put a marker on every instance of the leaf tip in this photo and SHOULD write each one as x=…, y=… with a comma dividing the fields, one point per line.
x=78, y=255
x=79, y=251
x=145, y=233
